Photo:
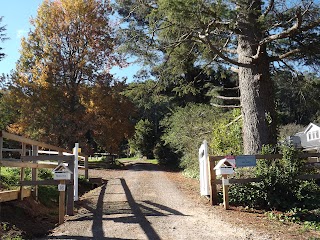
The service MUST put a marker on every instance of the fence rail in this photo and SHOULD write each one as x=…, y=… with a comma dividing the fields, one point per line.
x=11, y=195
x=35, y=161
x=212, y=180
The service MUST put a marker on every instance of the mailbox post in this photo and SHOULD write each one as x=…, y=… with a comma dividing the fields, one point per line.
x=225, y=167
x=62, y=173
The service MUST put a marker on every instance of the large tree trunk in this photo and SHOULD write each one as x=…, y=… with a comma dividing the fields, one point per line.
x=256, y=87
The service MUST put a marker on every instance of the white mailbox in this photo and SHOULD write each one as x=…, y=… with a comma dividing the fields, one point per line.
x=62, y=172
x=225, y=166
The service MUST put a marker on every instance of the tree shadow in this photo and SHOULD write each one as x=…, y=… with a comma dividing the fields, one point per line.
x=132, y=213
x=131, y=165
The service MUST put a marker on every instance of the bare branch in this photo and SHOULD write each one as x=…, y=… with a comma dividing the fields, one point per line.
x=231, y=88
x=285, y=55
x=269, y=8
x=182, y=38
x=229, y=50
x=227, y=98
x=225, y=106
x=234, y=120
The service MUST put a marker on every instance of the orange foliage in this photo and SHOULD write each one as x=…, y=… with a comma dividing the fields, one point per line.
x=61, y=88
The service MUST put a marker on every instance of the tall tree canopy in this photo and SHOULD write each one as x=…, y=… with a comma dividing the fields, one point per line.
x=252, y=36
x=297, y=98
x=63, y=70
x=2, y=38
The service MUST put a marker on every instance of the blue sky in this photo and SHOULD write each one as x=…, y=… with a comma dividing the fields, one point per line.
x=16, y=15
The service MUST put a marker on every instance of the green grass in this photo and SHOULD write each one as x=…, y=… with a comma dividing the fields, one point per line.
x=95, y=159
x=129, y=159
x=132, y=159
x=102, y=159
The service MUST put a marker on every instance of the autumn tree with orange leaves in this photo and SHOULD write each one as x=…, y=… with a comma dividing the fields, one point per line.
x=62, y=85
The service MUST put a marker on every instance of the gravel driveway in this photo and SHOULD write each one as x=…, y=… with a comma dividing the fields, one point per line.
x=143, y=203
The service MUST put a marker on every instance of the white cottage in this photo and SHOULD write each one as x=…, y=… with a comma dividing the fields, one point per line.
x=309, y=139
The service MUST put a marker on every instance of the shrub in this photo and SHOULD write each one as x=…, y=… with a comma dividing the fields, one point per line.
x=166, y=155
x=48, y=195
x=45, y=173
x=227, y=134
x=186, y=129
x=279, y=187
x=143, y=141
x=10, y=177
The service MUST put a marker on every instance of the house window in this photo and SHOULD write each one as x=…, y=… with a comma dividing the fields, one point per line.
x=309, y=136
x=313, y=135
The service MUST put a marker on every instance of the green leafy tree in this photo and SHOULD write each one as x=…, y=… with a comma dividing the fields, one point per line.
x=156, y=98
x=151, y=107
x=297, y=97
x=150, y=102
x=186, y=129
x=6, y=110
x=227, y=134
x=143, y=140
x=253, y=37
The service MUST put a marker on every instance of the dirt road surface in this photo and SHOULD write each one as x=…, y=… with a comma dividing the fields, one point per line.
x=142, y=202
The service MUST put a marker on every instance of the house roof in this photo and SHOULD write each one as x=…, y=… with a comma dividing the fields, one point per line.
x=303, y=137
x=310, y=126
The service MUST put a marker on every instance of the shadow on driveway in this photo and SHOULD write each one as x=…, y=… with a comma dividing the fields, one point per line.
x=132, y=213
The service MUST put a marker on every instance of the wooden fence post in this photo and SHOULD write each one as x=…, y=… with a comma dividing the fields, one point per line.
x=225, y=187
x=60, y=153
x=213, y=187
x=35, y=150
x=22, y=172
x=62, y=202
x=86, y=168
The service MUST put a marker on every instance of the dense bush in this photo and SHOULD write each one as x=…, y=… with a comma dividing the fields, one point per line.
x=279, y=187
x=227, y=134
x=166, y=155
x=143, y=141
x=10, y=177
x=185, y=130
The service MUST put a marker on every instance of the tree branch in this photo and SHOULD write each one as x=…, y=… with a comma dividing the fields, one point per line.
x=285, y=55
x=234, y=120
x=227, y=98
x=269, y=8
x=231, y=88
x=225, y=106
x=205, y=39
x=296, y=28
